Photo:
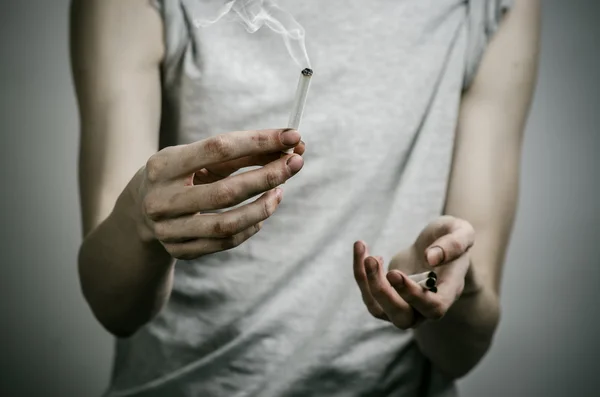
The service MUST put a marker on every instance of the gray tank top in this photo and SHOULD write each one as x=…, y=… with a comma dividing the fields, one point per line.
x=281, y=315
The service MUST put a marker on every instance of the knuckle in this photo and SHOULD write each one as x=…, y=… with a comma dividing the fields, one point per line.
x=160, y=231
x=456, y=246
x=223, y=195
x=192, y=201
x=218, y=146
x=263, y=139
x=225, y=227
x=468, y=227
x=151, y=207
x=268, y=208
x=155, y=165
x=470, y=234
x=145, y=230
x=272, y=179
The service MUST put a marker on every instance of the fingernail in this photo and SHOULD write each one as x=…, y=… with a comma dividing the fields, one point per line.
x=371, y=266
x=295, y=163
x=396, y=279
x=435, y=255
x=290, y=137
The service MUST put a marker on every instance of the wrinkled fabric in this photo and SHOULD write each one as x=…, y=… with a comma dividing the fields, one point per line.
x=281, y=315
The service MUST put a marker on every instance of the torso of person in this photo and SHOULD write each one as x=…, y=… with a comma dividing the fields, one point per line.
x=281, y=315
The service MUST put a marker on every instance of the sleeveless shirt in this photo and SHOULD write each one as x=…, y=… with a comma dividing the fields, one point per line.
x=281, y=315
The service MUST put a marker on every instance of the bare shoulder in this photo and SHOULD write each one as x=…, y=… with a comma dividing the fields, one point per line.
x=511, y=57
x=117, y=47
x=124, y=33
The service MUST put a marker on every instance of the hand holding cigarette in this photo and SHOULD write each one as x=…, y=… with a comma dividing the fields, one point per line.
x=180, y=188
x=423, y=281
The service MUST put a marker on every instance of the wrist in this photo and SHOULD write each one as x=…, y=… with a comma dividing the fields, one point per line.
x=127, y=212
x=478, y=311
x=473, y=280
x=128, y=220
x=478, y=304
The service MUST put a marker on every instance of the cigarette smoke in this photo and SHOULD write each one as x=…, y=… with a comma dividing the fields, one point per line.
x=254, y=14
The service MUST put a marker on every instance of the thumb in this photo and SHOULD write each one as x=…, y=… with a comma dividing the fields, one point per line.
x=445, y=239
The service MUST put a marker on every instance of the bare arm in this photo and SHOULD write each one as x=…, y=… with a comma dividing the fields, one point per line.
x=483, y=186
x=116, y=49
x=142, y=208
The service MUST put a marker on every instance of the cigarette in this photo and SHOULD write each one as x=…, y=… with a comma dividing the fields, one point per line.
x=428, y=283
x=299, y=101
x=422, y=276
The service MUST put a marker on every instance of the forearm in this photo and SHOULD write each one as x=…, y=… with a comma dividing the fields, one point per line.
x=124, y=279
x=483, y=188
x=458, y=342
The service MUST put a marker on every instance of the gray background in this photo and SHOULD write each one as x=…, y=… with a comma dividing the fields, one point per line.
x=547, y=341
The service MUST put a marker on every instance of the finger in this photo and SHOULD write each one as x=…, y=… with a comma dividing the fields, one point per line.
x=217, y=172
x=256, y=160
x=431, y=305
x=187, y=159
x=452, y=238
x=185, y=200
x=218, y=225
x=196, y=248
x=361, y=251
x=397, y=310
x=299, y=149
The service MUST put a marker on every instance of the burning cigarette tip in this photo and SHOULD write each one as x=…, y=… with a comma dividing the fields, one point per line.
x=307, y=72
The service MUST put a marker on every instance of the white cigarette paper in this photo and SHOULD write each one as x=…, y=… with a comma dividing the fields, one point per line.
x=422, y=276
x=428, y=283
x=299, y=101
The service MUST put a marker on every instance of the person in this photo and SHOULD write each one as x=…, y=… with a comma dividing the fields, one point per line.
x=407, y=161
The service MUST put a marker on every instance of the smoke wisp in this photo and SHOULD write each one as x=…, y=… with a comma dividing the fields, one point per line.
x=253, y=14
